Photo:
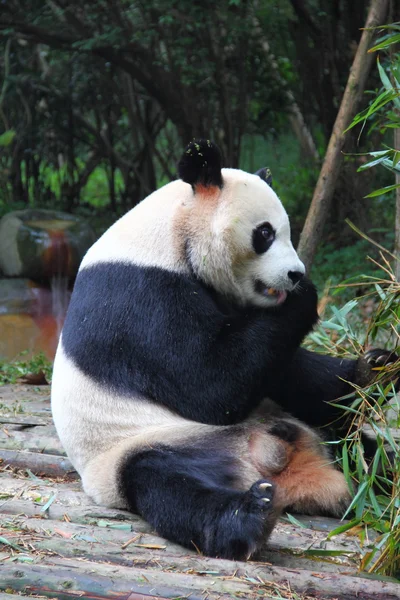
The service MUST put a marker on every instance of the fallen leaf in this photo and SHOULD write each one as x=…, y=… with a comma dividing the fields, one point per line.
x=63, y=534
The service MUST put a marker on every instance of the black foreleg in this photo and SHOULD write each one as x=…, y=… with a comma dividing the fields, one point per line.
x=309, y=382
x=187, y=496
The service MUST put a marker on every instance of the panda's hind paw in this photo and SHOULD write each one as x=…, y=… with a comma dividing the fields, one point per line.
x=259, y=496
x=245, y=523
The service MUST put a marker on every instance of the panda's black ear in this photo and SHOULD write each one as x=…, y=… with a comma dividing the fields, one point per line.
x=201, y=164
x=266, y=175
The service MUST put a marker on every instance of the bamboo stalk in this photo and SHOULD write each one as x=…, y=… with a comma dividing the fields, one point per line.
x=397, y=218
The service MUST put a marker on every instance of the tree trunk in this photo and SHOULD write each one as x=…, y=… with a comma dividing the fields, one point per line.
x=397, y=220
x=321, y=202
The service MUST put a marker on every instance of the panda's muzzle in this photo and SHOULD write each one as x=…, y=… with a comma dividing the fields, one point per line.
x=279, y=296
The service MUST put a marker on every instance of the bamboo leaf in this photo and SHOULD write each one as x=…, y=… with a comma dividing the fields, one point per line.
x=374, y=502
x=387, y=83
x=372, y=163
x=379, y=102
x=382, y=191
x=391, y=26
x=330, y=325
x=22, y=558
x=389, y=41
x=378, y=153
x=294, y=521
x=7, y=137
x=396, y=158
x=33, y=477
x=358, y=501
x=111, y=525
x=321, y=552
x=343, y=528
x=7, y=542
x=50, y=501
x=384, y=78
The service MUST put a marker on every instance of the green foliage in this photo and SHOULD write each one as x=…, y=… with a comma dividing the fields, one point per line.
x=7, y=137
x=384, y=109
x=10, y=372
x=376, y=499
x=293, y=178
x=335, y=265
x=123, y=86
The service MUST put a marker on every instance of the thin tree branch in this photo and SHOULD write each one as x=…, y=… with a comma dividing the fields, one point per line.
x=323, y=194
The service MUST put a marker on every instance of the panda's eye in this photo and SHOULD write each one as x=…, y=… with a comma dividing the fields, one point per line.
x=263, y=236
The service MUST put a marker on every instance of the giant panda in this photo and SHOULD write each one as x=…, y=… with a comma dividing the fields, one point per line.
x=180, y=388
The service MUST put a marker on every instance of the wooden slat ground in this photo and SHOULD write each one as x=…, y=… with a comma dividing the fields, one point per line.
x=54, y=542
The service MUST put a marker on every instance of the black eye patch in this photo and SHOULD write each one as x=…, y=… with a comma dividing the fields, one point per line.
x=263, y=236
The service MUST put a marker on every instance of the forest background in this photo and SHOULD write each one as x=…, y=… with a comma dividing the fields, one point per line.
x=98, y=99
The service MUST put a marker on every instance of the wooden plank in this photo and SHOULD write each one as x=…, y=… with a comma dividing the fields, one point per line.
x=122, y=546
x=14, y=597
x=132, y=596
x=26, y=421
x=20, y=495
x=94, y=580
x=97, y=581
x=71, y=503
x=48, y=465
x=23, y=400
x=42, y=438
x=85, y=515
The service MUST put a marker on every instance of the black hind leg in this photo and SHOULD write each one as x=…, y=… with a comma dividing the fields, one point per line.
x=187, y=495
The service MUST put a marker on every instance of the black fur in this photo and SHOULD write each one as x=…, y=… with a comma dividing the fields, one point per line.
x=201, y=163
x=146, y=331
x=187, y=495
x=263, y=238
x=265, y=174
x=311, y=381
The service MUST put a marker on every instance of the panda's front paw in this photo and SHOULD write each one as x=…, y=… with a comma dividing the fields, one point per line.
x=373, y=362
x=303, y=302
x=376, y=358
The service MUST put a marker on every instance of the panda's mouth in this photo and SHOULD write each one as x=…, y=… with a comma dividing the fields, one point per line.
x=278, y=296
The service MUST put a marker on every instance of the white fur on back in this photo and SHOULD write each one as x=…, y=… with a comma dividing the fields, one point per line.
x=145, y=235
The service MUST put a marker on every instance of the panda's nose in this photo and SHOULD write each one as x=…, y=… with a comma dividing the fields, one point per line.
x=295, y=276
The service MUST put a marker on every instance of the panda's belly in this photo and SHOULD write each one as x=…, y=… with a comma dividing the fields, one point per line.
x=90, y=418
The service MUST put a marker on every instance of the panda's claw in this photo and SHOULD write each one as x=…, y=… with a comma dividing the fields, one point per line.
x=377, y=357
x=265, y=485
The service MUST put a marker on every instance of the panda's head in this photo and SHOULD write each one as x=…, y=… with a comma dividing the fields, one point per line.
x=236, y=231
